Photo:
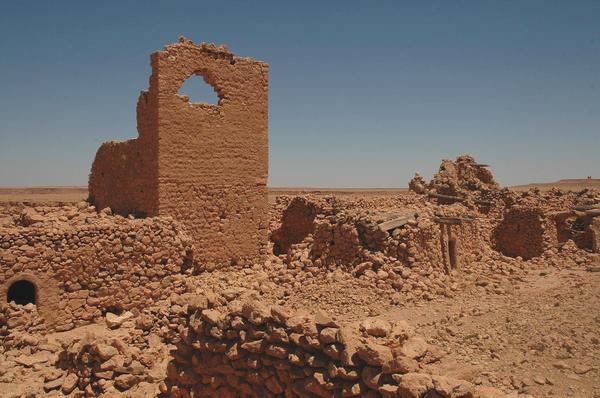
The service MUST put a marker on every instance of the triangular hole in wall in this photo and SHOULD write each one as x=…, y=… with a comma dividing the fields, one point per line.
x=198, y=91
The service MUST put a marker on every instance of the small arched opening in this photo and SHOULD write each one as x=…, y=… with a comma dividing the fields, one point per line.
x=22, y=292
x=199, y=89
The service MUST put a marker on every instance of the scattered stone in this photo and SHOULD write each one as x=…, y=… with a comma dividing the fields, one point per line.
x=114, y=321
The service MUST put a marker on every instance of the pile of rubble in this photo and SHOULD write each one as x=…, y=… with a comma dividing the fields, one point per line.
x=457, y=179
x=95, y=360
x=96, y=364
x=19, y=325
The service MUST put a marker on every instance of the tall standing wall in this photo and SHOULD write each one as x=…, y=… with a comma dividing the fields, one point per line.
x=205, y=165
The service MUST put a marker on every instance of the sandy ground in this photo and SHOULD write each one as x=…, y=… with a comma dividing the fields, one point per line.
x=567, y=185
x=49, y=195
x=541, y=337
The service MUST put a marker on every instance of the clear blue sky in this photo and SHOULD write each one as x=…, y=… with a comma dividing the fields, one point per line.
x=362, y=93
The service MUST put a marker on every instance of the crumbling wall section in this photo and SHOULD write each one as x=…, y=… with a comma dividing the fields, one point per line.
x=336, y=241
x=522, y=232
x=124, y=175
x=578, y=228
x=205, y=165
x=297, y=222
x=362, y=239
x=120, y=173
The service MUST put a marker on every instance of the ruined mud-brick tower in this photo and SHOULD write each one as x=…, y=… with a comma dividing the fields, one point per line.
x=205, y=165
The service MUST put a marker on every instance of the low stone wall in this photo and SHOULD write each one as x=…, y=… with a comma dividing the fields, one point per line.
x=250, y=350
x=81, y=264
x=336, y=241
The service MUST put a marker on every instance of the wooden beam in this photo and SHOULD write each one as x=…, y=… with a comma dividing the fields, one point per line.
x=584, y=207
x=452, y=220
x=592, y=213
x=396, y=222
x=458, y=198
x=452, y=252
x=447, y=221
x=447, y=197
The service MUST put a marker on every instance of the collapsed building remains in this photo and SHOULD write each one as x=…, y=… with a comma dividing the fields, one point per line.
x=69, y=266
x=458, y=218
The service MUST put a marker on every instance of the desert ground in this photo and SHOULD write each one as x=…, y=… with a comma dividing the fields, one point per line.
x=52, y=195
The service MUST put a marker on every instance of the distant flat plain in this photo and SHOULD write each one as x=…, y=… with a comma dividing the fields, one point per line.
x=53, y=195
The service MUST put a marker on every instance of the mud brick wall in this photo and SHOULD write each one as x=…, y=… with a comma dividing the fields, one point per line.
x=83, y=263
x=595, y=233
x=525, y=232
x=250, y=350
x=205, y=165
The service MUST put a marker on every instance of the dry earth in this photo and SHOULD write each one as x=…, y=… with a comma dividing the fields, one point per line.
x=74, y=194
x=540, y=337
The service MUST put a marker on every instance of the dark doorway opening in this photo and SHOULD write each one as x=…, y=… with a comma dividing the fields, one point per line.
x=21, y=292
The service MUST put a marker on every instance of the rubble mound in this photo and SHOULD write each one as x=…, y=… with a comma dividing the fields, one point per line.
x=252, y=350
x=20, y=325
x=96, y=365
x=457, y=180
